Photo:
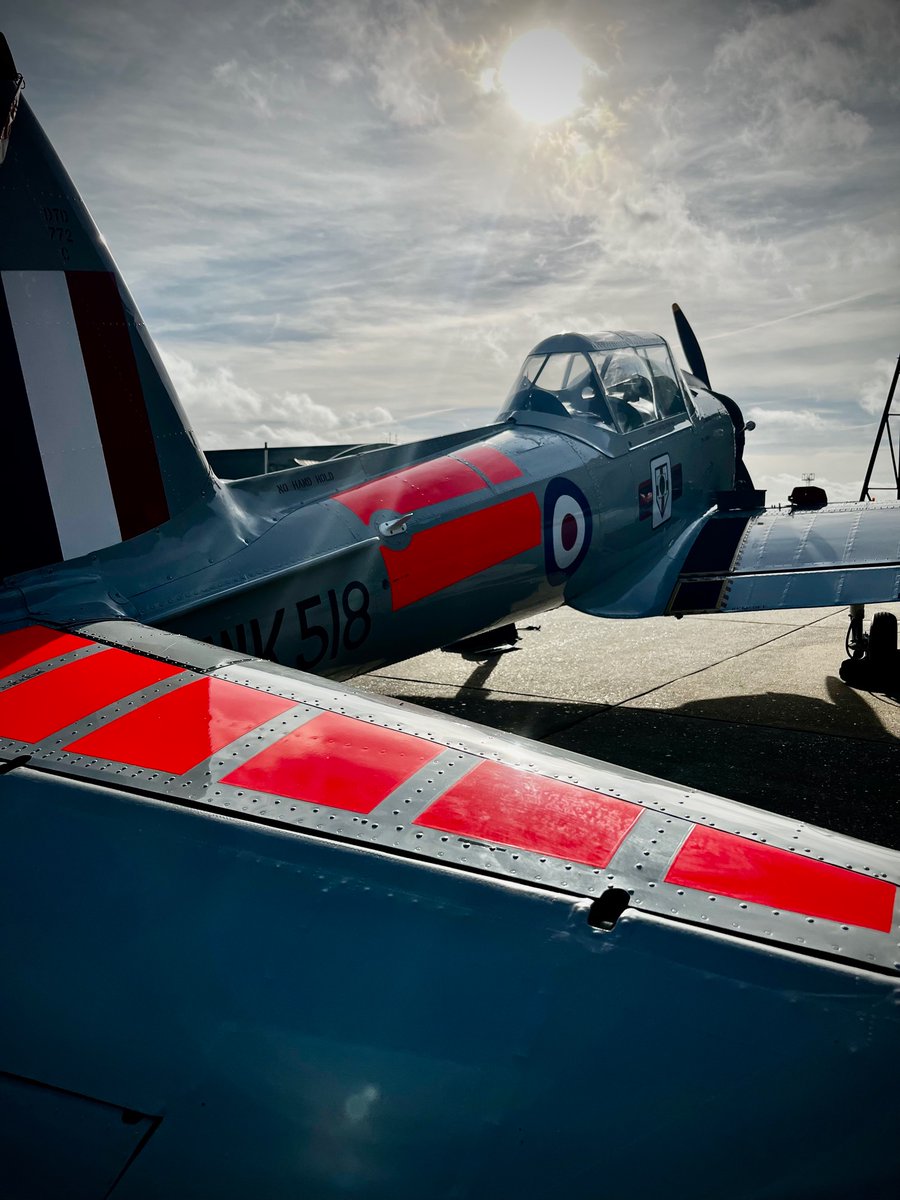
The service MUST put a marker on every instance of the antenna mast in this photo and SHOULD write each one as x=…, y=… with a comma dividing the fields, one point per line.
x=893, y=445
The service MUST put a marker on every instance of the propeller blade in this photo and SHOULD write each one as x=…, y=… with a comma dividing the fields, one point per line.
x=690, y=346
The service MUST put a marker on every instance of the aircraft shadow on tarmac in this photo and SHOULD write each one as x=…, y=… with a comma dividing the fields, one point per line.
x=786, y=753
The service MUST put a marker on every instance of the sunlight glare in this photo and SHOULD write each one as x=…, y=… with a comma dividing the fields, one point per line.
x=542, y=75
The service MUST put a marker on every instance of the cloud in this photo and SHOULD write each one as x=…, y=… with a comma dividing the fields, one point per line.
x=830, y=47
x=776, y=422
x=327, y=216
x=799, y=76
x=249, y=83
x=779, y=487
x=399, y=47
x=796, y=124
x=225, y=414
x=874, y=391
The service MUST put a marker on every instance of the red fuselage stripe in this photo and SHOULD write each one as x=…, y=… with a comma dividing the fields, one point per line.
x=180, y=729
x=495, y=803
x=336, y=761
x=490, y=462
x=725, y=864
x=129, y=448
x=24, y=648
x=412, y=489
x=458, y=549
x=39, y=707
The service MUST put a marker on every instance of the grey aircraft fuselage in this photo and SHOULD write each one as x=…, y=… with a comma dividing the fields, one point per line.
x=314, y=567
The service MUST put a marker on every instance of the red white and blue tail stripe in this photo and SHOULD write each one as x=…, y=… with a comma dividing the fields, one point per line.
x=97, y=447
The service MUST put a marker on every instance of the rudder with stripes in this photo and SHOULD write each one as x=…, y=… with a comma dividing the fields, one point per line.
x=97, y=447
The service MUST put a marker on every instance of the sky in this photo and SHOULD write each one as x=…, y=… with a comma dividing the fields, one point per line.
x=344, y=220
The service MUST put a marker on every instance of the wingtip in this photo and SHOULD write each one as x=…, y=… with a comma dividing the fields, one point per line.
x=7, y=64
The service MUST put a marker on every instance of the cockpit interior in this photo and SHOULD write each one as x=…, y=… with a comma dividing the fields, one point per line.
x=621, y=382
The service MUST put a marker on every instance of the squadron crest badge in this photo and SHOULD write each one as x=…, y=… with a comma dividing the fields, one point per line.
x=661, y=482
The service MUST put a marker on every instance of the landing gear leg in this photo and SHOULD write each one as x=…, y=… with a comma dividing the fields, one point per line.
x=856, y=639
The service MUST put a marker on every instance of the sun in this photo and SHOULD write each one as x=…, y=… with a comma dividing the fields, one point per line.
x=542, y=75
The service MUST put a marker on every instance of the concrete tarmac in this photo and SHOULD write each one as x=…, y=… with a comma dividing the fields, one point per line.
x=748, y=706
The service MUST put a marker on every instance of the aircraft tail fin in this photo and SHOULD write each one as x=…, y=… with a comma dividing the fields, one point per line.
x=97, y=447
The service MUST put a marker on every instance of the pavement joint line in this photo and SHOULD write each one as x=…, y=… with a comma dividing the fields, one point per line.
x=699, y=671
x=466, y=687
x=727, y=659
x=603, y=708
x=460, y=687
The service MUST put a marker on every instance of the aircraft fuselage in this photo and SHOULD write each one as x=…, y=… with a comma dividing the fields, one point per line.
x=525, y=518
x=371, y=559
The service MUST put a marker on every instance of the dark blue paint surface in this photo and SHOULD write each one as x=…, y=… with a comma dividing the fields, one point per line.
x=313, y=1019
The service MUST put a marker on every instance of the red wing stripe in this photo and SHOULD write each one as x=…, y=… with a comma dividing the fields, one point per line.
x=24, y=648
x=455, y=550
x=129, y=448
x=496, y=803
x=39, y=707
x=490, y=462
x=413, y=488
x=336, y=761
x=175, y=732
x=728, y=865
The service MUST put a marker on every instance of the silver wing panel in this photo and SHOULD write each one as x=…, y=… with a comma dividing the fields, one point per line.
x=787, y=558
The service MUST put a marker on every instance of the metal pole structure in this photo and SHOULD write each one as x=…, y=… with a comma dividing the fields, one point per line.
x=864, y=494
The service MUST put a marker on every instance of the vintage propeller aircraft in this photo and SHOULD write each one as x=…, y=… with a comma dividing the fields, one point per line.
x=264, y=934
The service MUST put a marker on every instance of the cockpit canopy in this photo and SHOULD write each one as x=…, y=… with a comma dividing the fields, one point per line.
x=621, y=381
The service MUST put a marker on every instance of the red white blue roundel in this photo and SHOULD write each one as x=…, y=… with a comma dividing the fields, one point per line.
x=567, y=529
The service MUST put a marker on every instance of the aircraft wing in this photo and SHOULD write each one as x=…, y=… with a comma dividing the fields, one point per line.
x=791, y=558
x=183, y=723
x=276, y=935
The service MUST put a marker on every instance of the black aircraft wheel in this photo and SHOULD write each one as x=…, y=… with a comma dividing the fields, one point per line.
x=854, y=672
x=882, y=647
x=879, y=668
x=881, y=652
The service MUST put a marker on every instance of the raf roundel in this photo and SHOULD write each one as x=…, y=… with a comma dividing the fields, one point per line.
x=567, y=529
